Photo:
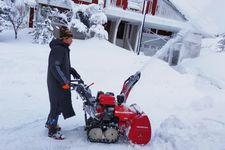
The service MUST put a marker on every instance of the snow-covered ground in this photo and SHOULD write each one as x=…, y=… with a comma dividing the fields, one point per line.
x=185, y=104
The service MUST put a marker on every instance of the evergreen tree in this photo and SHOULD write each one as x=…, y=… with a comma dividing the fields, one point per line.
x=43, y=32
x=4, y=10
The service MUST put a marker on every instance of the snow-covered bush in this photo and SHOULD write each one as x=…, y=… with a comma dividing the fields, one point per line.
x=98, y=18
x=92, y=9
x=77, y=24
x=98, y=31
x=89, y=20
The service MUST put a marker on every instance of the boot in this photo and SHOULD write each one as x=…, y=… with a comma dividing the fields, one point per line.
x=54, y=133
x=57, y=127
x=53, y=122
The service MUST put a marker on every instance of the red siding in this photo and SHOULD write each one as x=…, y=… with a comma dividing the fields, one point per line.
x=31, y=17
x=151, y=7
x=122, y=3
x=147, y=7
x=84, y=2
x=154, y=5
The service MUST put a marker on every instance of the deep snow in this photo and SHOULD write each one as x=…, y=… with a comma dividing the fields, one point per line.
x=185, y=104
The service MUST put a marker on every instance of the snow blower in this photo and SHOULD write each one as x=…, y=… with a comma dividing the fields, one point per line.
x=108, y=117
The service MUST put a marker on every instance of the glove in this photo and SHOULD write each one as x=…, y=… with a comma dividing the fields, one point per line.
x=66, y=86
x=74, y=73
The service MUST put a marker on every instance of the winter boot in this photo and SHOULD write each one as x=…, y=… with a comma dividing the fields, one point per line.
x=52, y=122
x=54, y=133
x=58, y=128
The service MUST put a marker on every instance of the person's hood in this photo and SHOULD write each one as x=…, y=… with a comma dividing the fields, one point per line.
x=57, y=42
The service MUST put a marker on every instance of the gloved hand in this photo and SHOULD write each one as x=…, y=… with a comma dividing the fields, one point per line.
x=66, y=86
x=74, y=73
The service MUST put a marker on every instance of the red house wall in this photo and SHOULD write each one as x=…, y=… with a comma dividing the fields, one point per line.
x=151, y=7
x=122, y=3
x=84, y=2
x=154, y=5
x=31, y=17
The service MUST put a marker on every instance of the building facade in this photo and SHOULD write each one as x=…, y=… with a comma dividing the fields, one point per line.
x=136, y=25
x=144, y=26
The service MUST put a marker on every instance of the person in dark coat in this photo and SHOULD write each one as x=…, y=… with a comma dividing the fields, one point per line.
x=58, y=81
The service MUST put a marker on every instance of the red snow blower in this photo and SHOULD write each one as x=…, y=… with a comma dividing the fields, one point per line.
x=108, y=117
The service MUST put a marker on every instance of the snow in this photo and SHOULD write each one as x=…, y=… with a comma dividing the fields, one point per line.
x=151, y=21
x=98, y=18
x=76, y=23
x=185, y=104
x=206, y=15
x=30, y=2
x=210, y=72
x=62, y=3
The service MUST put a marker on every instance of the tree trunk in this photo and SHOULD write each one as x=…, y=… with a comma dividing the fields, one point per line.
x=16, y=33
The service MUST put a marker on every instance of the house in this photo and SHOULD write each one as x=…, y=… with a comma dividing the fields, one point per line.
x=31, y=5
x=150, y=23
x=136, y=25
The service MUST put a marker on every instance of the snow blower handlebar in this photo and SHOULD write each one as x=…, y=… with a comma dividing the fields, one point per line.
x=85, y=93
x=83, y=90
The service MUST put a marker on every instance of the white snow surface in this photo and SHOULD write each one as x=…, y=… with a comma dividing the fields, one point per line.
x=186, y=109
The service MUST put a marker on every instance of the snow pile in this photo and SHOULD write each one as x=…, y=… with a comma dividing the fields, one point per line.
x=202, y=67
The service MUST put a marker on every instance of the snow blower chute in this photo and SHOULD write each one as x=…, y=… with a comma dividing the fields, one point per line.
x=108, y=117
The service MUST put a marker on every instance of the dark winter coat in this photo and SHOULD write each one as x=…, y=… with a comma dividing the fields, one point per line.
x=59, y=74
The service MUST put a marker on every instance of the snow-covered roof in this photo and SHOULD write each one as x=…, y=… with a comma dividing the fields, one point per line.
x=30, y=2
x=56, y=3
x=150, y=21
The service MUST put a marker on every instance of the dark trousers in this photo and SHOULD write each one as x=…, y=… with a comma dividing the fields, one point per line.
x=53, y=114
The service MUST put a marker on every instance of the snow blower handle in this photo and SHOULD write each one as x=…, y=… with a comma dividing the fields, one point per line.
x=83, y=90
x=75, y=83
x=87, y=87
